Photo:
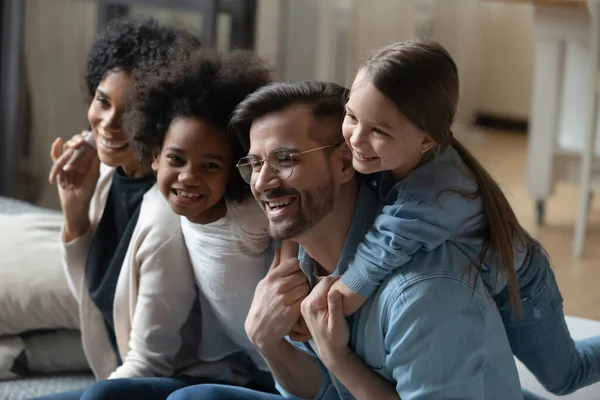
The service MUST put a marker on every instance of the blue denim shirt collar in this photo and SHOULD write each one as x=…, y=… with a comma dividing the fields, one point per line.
x=367, y=209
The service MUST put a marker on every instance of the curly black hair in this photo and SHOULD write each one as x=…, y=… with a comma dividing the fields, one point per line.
x=199, y=83
x=128, y=44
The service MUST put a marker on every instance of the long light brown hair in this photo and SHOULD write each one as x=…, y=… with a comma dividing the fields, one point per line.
x=421, y=79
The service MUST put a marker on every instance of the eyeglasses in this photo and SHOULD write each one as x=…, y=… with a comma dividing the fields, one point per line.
x=280, y=161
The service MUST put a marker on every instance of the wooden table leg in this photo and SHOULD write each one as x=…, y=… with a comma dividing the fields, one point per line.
x=590, y=132
x=544, y=119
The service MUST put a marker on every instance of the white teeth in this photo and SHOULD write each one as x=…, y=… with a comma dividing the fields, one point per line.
x=363, y=156
x=111, y=144
x=273, y=204
x=187, y=194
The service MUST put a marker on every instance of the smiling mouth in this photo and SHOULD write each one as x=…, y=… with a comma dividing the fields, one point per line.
x=185, y=194
x=362, y=157
x=113, y=145
x=279, y=205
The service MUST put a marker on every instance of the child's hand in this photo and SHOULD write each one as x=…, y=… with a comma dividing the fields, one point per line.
x=350, y=300
x=323, y=312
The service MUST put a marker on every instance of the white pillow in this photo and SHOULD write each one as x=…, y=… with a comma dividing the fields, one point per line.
x=33, y=289
x=56, y=351
x=10, y=349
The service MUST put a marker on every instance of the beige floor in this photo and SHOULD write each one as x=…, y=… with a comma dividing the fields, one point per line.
x=505, y=156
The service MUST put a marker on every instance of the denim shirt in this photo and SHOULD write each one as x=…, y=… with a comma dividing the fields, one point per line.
x=435, y=203
x=430, y=328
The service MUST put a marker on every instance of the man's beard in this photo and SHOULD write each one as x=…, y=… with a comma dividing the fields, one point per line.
x=313, y=207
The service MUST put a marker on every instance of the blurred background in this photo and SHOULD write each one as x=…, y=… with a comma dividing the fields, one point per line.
x=524, y=69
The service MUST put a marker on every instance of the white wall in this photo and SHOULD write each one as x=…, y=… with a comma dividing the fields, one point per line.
x=378, y=23
x=316, y=39
x=458, y=27
x=54, y=75
x=454, y=23
x=507, y=59
x=329, y=39
x=492, y=43
x=268, y=30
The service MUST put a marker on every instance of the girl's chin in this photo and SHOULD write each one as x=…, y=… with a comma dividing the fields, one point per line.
x=361, y=168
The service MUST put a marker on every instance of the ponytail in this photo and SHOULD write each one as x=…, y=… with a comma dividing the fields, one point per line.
x=502, y=224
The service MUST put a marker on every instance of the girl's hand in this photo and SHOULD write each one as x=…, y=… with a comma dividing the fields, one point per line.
x=352, y=301
x=323, y=312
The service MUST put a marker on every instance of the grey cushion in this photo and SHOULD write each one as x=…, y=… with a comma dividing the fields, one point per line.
x=26, y=388
x=14, y=206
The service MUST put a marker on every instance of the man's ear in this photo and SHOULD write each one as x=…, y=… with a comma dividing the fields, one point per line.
x=155, y=157
x=347, y=170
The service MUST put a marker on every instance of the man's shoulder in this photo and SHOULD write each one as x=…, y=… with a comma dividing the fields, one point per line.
x=414, y=300
x=444, y=277
x=446, y=261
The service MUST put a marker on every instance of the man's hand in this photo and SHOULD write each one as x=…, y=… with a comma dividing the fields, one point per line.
x=323, y=312
x=275, y=308
x=300, y=332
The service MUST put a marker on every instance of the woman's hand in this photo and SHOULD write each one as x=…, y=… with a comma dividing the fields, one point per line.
x=75, y=186
x=77, y=156
x=324, y=315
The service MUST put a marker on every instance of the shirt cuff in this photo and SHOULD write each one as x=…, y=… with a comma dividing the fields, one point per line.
x=357, y=283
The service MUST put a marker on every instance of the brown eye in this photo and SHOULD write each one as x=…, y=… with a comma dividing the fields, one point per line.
x=175, y=159
x=285, y=160
x=379, y=132
x=211, y=166
x=104, y=102
x=256, y=165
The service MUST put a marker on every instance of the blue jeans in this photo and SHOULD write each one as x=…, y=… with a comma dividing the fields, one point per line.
x=223, y=392
x=527, y=395
x=132, y=388
x=540, y=337
x=220, y=392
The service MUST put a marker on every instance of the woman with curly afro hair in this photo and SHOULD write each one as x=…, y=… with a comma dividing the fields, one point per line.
x=123, y=251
